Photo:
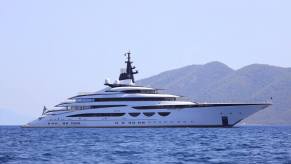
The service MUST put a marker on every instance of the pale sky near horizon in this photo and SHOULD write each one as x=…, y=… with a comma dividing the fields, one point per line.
x=52, y=49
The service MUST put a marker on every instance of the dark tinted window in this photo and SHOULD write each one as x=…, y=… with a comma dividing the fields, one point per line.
x=164, y=113
x=95, y=106
x=98, y=115
x=188, y=106
x=134, y=114
x=105, y=106
x=141, y=91
x=149, y=114
x=138, y=99
x=165, y=107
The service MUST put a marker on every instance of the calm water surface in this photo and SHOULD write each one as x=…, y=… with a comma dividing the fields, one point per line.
x=159, y=145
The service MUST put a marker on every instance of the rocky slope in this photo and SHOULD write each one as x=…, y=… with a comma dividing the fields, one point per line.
x=216, y=82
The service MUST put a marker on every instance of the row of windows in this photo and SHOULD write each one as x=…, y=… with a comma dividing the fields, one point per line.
x=148, y=114
x=80, y=100
x=187, y=106
x=137, y=107
x=133, y=122
x=84, y=100
x=124, y=123
x=151, y=122
x=165, y=107
x=152, y=107
x=98, y=115
x=137, y=99
x=117, y=92
x=141, y=91
x=95, y=107
x=64, y=123
x=149, y=91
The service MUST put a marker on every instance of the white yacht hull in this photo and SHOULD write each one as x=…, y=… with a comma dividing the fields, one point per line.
x=209, y=116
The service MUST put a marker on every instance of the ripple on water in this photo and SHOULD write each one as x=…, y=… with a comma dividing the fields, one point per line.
x=162, y=145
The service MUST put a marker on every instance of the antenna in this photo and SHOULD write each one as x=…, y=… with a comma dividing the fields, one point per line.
x=126, y=74
x=127, y=54
x=129, y=74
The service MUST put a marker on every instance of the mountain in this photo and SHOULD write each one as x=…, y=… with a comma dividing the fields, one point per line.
x=189, y=79
x=216, y=82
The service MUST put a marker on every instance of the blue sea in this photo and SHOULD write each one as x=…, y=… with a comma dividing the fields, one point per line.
x=147, y=145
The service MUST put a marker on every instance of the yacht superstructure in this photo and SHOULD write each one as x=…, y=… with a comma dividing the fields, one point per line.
x=125, y=104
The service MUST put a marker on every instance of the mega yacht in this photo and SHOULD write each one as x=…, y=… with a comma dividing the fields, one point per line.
x=125, y=104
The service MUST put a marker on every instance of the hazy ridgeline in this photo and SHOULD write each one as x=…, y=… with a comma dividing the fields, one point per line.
x=216, y=82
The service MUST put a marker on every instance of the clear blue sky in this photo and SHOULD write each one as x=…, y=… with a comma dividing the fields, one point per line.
x=52, y=49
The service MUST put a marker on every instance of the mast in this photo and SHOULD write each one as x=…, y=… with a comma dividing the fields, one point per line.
x=130, y=72
x=126, y=74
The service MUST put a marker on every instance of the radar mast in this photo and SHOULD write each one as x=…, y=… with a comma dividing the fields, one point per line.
x=126, y=77
x=130, y=70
